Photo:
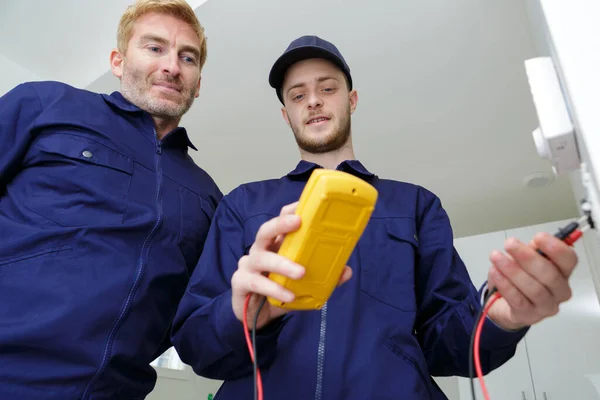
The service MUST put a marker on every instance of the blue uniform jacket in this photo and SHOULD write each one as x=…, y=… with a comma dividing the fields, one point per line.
x=406, y=314
x=101, y=226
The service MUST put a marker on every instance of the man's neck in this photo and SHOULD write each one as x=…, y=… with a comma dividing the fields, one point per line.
x=331, y=159
x=164, y=125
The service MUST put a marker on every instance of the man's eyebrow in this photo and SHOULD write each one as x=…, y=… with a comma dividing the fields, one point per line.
x=326, y=78
x=319, y=79
x=155, y=38
x=297, y=85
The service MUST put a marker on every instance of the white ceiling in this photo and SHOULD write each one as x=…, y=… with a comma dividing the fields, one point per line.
x=443, y=96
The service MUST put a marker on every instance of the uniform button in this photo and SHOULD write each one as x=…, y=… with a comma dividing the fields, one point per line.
x=87, y=154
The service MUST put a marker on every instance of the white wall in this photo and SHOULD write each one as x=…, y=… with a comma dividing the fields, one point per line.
x=538, y=27
x=12, y=75
x=449, y=386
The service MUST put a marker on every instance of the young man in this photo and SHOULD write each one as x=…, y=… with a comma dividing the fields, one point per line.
x=103, y=216
x=409, y=309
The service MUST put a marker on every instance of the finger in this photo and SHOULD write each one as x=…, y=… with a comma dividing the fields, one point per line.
x=269, y=231
x=560, y=253
x=244, y=282
x=289, y=209
x=267, y=262
x=509, y=292
x=286, y=210
x=533, y=290
x=540, y=269
x=277, y=243
x=346, y=275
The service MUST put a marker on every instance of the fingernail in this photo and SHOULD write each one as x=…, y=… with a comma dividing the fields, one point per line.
x=499, y=259
x=549, y=243
x=297, y=272
x=512, y=244
x=541, y=236
x=288, y=296
x=495, y=256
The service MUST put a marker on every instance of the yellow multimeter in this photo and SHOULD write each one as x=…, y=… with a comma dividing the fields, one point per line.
x=335, y=208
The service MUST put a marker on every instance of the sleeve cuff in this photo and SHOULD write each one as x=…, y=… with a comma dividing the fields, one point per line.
x=231, y=330
x=493, y=335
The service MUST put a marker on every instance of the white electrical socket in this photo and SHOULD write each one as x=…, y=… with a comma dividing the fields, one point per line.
x=555, y=137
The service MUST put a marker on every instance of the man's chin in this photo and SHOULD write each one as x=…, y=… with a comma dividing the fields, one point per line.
x=317, y=146
x=165, y=112
x=167, y=103
x=318, y=135
x=320, y=142
x=171, y=97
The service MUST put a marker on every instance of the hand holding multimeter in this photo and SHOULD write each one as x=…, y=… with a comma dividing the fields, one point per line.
x=299, y=257
x=263, y=259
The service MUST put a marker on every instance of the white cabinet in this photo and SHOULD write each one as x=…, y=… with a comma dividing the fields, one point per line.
x=183, y=385
x=178, y=381
x=559, y=359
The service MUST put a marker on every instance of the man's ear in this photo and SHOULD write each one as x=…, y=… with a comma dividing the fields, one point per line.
x=353, y=98
x=116, y=63
x=285, y=116
x=198, y=87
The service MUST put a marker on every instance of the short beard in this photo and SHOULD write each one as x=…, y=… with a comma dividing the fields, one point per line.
x=137, y=90
x=334, y=141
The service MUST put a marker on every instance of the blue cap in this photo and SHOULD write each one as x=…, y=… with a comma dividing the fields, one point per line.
x=303, y=48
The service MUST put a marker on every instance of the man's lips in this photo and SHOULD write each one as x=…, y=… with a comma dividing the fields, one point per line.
x=168, y=86
x=319, y=119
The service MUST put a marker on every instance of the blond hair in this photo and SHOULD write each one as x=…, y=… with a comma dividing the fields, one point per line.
x=177, y=8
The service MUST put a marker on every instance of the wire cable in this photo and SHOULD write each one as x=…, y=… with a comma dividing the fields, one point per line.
x=251, y=343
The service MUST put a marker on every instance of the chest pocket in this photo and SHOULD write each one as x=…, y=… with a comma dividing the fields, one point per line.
x=388, y=253
x=76, y=181
x=196, y=215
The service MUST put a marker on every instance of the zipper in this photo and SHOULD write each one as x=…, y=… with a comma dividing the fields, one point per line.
x=321, y=354
x=321, y=348
x=139, y=273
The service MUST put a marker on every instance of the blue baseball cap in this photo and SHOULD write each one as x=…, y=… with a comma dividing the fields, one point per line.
x=303, y=48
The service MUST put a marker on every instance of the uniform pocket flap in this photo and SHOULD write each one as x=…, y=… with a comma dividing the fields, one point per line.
x=86, y=150
x=403, y=229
